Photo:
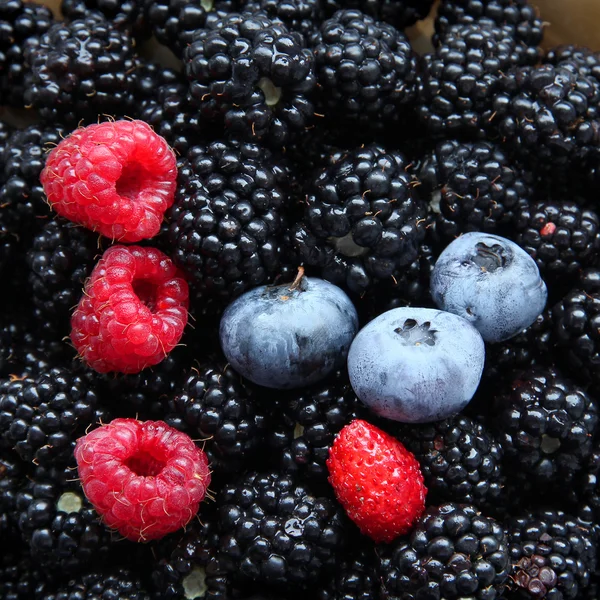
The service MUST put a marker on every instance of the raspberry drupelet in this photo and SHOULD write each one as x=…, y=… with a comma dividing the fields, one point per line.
x=117, y=178
x=133, y=310
x=144, y=478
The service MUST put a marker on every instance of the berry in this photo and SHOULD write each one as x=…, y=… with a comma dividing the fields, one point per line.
x=460, y=461
x=491, y=282
x=11, y=477
x=133, y=310
x=227, y=220
x=586, y=62
x=399, y=13
x=416, y=365
x=20, y=578
x=290, y=335
x=82, y=69
x=22, y=24
x=145, y=479
x=363, y=222
x=386, y=499
x=273, y=530
x=458, y=83
x=254, y=75
x=214, y=404
x=552, y=555
x=366, y=70
x=454, y=552
x=473, y=187
x=302, y=16
x=117, y=178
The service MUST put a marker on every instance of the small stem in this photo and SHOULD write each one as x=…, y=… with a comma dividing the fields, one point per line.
x=296, y=283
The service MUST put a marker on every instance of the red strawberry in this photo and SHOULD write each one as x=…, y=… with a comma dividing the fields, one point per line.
x=377, y=480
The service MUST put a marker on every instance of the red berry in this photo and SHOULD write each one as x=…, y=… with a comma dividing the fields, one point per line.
x=117, y=178
x=377, y=480
x=145, y=479
x=133, y=310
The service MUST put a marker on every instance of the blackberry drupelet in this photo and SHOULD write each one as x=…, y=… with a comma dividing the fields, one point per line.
x=519, y=14
x=366, y=70
x=546, y=425
x=253, y=75
x=274, y=531
x=548, y=115
x=175, y=21
x=453, y=552
x=127, y=15
x=21, y=24
x=60, y=259
x=114, y=583
x=460, y=461
x=227, y=221
x=459, y=81
x=12, y=475
x=302, y=16
x=576, y=325
x=363, y=219
x=42, y=415
x=187, y=564
x=23, y=206
x=586, y=61
x=82, y=69
x=214, y=405
x=552, y=556
x=399, y=13
x=473, y=187
x=151, y=76
x=584, y=497
x=562, y=237
x=305, y=423
x=58, y=523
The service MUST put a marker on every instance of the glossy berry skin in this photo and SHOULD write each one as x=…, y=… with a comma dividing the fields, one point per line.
x=133, y=310
x=491, y=282
x=145, y=479
x=117, y=178
x=291, y=335
x=377, y=480
x=416, y=365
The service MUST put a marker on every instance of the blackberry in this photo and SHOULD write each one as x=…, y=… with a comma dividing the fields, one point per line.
x=42, y=415
x=115, y=583
x=545, y=424
x=214, y=404
x=11, y=478
x=253, y=75
x=562, y=237
x=82, y=69
x=175, y=21
x=302, y=16
x=6, y=131
x=21, y=24
x=399, y=13
x=548, y=115
x=306, y=422
x=453, y=552
x=151, y=76
x=518, y=14
x=460, y=461
x=274, y=531
x=584, y=496
x=227, y=222
x=187, y=564
x=585, y=60
x=125, y=15
x=23, y=206
x=552, y=555
x=58, y=523
x=473, y=187
x=366, y=69
x=576, y=326
x=363, y=220
x=20, y=578
x=60, y=259
x=459, y=81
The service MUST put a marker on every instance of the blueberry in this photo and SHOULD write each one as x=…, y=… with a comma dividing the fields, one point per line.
x=416, y=365
x=491, y=282
x=291, y=335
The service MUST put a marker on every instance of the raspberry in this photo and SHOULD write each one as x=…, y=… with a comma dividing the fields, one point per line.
x=117, y=178
x=144, y=478
x=133, y=310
